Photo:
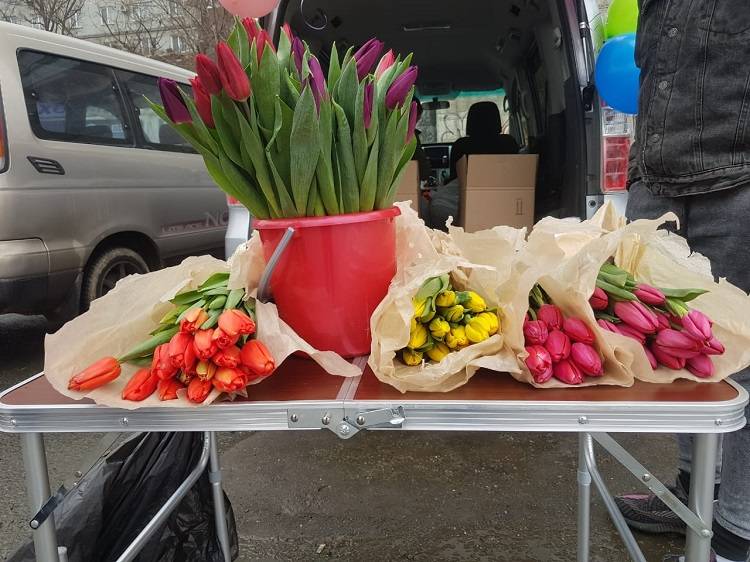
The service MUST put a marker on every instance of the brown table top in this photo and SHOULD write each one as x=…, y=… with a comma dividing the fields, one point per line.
x=300, y=379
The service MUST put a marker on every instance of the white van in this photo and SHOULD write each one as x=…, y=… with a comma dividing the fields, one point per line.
x=93, y=185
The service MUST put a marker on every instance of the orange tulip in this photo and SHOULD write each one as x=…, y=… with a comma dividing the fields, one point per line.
x=205, y=347
x=168, y=389
x=99, y=373
x=193, y=320
x=198, y=390
x=223, y=340
x=229, y=357
x=228, y=379
x=256, y=357
x=205, y=370
x=162, y=365
x=234, y=322
x=178, y=346
x=140, y=386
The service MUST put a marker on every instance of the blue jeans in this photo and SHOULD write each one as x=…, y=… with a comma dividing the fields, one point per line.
x=716, y=225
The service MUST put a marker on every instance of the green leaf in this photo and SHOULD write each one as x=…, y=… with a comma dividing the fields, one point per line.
x=359, y=136
x=188, y=297
x=616, y=279
x=305, y=150
x=287, y=205
x=212, y=320
x=229, y=139
x=349, y=183
x=216, y=292
x=147, y=347
x=346, y=89
x=239, y=42
x=171, y=316
x=314, y=204
x=615, y=291
x=234, y=298
x=141, y=361
x=217, y=302
x=255, y=203
x=324, y=172
x=290, y=94
x=334, y=68
x=161, y=328
x=432, y=287
x=676, y=307
x=388, y=159
x=267, y=87
x=186, y=130
x=282, y=145
x=400, y=169
x=284, y=52
x=369, y=186
x=217, y=279
x=685, y=295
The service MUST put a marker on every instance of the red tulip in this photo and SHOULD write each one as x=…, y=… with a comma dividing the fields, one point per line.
x=558, y=345
x=700, y=366
x=257, y=358
x=140, y=386
x=233, y=322
x=161, y=364
x=198, y=390
x=550, y=315
x=366, y=56
x=369, y=96
x=587, y=359
x=205, y=346
x=539, y=363
x=632, y=333
x=202, y=103
x=609, y=326
x=697, y=325
x=651, y=358
x=567, y=372
x=178, y=346
x=189, y=359
x=385, y=63
x=665, y=358
x=649, y=295
x=229, y=357
x=400, y=88
x=228, y=379
x=193, y=319
x=636, y=315
x=288, y=31
x=208, y=73
x=678, y=344
x=174, y=105
x=262, y=41
x=167, y=389
x=223, y=340
x=599, y=300
x=535, y=332
x=233, y=77
x=251, y=26
x=95, y=375
x=713, y=347
x=577, y=330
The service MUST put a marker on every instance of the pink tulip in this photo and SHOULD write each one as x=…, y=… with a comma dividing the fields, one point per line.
x=558, y=345
x=599, y=300
x=635, y=314
x=697, y=325
x=713, y=347
x=651, y=358
x=577, y=330
x=632, y=333
x=700, y=366
x=587, y=359
x=609, y=326
x=385, y=63
x=663, y=320
x=678, y=344
x=649, y=295
x=567, y=372
x=539, y=363
x=670, y=361
x=550, y=315
x=535, y=332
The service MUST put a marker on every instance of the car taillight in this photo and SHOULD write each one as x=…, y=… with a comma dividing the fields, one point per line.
x=232, y=201
x=617, y=137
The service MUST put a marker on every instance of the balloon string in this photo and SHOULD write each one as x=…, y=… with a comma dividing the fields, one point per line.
x=307, y=23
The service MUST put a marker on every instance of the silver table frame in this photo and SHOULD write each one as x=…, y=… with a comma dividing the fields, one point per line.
x=346, y=416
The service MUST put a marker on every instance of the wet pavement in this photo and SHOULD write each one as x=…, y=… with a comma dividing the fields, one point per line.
x=379, y=496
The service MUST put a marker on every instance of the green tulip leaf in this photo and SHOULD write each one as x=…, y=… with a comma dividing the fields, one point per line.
x=400, y=170
x=267, y=88
x=334, y=68
x=346, y=89
x=614, y=291
x=369, y=186
x=216, y=280
x=685, y=295
x=147, y=347
x=349, y=183
x=255, y=203
x=359, y=135
x=212, y=320
x=305, y=150
x=388, y=159
x=234, y=299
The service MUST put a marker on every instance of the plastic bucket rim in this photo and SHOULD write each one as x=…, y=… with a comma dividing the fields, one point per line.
x=328, y=220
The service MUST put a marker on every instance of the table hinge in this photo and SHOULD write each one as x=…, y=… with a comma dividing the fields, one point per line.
x=345, y=422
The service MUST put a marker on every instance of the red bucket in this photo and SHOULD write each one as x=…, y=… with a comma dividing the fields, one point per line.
x=332, y=275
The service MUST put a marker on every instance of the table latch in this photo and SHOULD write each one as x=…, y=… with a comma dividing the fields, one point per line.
x=345, y=422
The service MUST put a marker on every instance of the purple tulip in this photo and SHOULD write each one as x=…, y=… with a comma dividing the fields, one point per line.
x=298, y=54
x=368, y=97
x=317, y=82
x=701, y=366
x=385, y=63
x=367, y=56
x=636, y=315
x=174, y=105
x=412, y=122
x=400, y=88
x=678, y=344
x=697, y=325
x=649, y=295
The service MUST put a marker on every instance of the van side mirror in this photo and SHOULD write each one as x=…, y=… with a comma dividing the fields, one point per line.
x=435, y=104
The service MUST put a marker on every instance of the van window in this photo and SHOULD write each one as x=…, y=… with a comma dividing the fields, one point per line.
x=155, y=132
x=448, y=125
x=72, y=100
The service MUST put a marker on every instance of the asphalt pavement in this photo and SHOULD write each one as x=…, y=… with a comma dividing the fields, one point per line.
x=379, y=496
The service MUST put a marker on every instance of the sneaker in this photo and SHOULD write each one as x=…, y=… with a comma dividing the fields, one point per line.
x=647, y=513
x=681, y=558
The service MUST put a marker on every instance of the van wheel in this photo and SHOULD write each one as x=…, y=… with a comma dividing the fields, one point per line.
x=106, y=269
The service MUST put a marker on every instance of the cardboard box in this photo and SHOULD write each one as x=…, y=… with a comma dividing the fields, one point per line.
x=408, y=189
x=496, y=189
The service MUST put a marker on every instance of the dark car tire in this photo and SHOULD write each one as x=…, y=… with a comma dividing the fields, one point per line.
x=106, y=269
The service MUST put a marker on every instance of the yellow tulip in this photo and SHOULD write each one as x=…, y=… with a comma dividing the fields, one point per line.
x=438, y=352
x=418, y=337
x=481, y=320
x=411, y=357
x=493, y=322
x=446, y=299
x=454, y=313
x=456, y=338
x=419, y=307
x=413, y=325
x=474, y=302
x=439, y=328
x=475, y=332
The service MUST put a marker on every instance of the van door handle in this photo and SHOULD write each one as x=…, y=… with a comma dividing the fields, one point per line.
x=46, y=165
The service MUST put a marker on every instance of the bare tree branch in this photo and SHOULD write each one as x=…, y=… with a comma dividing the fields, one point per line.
x=57, y=16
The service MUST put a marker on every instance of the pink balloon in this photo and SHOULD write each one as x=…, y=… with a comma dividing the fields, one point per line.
x=249, y=8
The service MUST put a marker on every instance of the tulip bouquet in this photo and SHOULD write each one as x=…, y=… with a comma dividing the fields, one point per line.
x=204, y=343
x=445, y=321
x=671, y=333
x=286, y=140
x=557, y=346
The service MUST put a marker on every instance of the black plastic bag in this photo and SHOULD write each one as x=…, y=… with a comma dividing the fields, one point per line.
x=116, y=499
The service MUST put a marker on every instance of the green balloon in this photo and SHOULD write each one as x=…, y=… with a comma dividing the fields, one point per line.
x=622, y=18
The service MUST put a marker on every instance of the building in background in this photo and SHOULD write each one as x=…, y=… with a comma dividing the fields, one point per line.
x=169, y=30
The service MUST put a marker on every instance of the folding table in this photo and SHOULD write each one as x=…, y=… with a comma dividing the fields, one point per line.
x=301, y=396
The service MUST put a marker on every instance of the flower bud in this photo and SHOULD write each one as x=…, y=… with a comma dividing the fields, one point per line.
x=599, y=300
x=636, y=315
x=663, y=320
x=257, y=358
x=446, y=299
x=178, y=347
x=475, y=331
x=198, y=390
x=665, y=358
x=491, y=320
x=161, y=364
x=550, y=315
x=678, y=344
x=697, y=325
x=632, y=333
x=649, y=295
x=609, y=326
x=535, y=332
x=228, y=357
x=539, y=363
x=651, y=359
x=411, y=357
x=456, y=338
x=167, y=389
x=713, y=347
x=567, y=372
x=205, y=370
x=577, y=330
x=234, y=322
x=193, y=319
x=204, y=345
x=453, y=314
x=417, y=338
x=95, y=375
x=438, y=352
x=587, y=359
x=558, y=345
x=700, y=366
x=140, y=386
x=228, y=379
x=224, y=340
x=439, y=328
x=474, y=302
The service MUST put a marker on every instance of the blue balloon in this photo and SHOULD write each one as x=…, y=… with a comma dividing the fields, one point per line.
x=616, y=75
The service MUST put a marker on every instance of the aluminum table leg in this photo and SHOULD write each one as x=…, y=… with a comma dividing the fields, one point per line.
x=584, y=500
x=37, y=491
x=220, y=515
x=703, y=468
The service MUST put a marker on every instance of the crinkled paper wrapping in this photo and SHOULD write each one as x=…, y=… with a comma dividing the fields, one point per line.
x=429, y=254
